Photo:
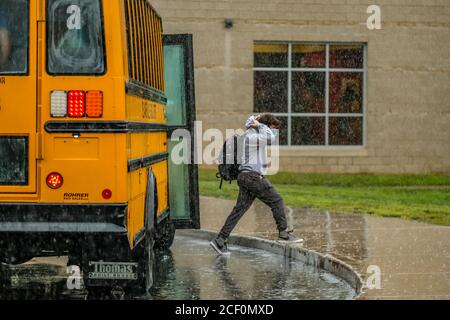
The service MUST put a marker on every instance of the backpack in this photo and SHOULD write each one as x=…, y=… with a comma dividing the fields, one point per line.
x=228, y=160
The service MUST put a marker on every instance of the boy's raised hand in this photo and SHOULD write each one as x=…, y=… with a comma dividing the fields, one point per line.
x=255, y=124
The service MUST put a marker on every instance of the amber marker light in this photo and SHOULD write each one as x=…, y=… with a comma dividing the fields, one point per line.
x=94, y=104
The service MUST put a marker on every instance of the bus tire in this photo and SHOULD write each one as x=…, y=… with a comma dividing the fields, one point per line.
x=165, y=234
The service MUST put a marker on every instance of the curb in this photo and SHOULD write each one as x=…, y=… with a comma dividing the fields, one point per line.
x=297, y=252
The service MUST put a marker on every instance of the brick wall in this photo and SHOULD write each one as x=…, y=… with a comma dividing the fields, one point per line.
x=408, y=84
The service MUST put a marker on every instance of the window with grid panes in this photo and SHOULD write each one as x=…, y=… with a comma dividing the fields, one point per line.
x=315, y=89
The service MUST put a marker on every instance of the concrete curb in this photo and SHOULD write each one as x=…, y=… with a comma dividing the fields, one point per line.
x=294, y=251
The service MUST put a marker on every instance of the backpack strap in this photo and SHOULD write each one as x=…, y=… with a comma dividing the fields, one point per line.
x=224, y=153
x=235, y=151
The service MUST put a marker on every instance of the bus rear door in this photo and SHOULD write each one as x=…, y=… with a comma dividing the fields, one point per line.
x=180, y=92
x=18, y=99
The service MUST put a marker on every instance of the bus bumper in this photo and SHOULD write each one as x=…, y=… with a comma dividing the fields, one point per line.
x=62, y=218
x=84, y=232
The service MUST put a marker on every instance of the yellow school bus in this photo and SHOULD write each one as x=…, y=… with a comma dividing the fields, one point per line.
x=85, y=116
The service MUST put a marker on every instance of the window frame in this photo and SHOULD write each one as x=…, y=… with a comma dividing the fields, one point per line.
x=327, y=115
x=74, y=74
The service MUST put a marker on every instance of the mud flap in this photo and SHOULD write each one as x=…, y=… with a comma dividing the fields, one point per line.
x=108, y=260
x=151, y=203
x=147, y=262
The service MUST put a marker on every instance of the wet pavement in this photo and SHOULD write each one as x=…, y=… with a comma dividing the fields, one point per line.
x=413, y=257
x=247, y=274
x=191, y=270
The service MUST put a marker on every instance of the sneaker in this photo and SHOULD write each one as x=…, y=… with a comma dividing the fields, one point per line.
x=220, y=245
x=288, y=237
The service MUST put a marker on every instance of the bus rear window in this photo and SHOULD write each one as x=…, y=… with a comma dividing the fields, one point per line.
x=75, y=37
x=13, y=160
x=14, y=21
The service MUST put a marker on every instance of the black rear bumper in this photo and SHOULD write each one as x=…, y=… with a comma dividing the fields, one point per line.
x=62, y=218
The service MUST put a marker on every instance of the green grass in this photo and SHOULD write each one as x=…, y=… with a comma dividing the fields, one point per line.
x=424, y=198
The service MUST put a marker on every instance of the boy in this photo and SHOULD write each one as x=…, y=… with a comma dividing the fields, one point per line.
x=261, y=132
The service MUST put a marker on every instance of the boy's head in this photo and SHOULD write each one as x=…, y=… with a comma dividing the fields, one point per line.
x=269, y=120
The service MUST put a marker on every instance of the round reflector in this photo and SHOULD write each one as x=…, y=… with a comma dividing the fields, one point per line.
x=54, y=180
x=107, y=194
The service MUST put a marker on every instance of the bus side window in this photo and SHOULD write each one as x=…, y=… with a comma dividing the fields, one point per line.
x=75, y=37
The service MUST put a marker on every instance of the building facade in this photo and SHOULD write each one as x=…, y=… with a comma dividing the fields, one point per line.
x=351, y=99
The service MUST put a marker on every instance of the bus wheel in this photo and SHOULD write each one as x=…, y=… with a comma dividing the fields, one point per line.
x=165, y=234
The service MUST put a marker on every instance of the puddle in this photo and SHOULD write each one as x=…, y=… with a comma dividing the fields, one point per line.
x=197, y=273
x=191, y=270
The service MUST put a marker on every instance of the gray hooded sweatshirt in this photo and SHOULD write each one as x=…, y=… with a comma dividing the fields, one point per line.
x=255, y=142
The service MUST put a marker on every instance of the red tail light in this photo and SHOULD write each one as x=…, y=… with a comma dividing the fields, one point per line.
x=54, y=180
x=76, y=103
x=107, y=194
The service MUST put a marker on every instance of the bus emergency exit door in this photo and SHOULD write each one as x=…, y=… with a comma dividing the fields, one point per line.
x=180, y=92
